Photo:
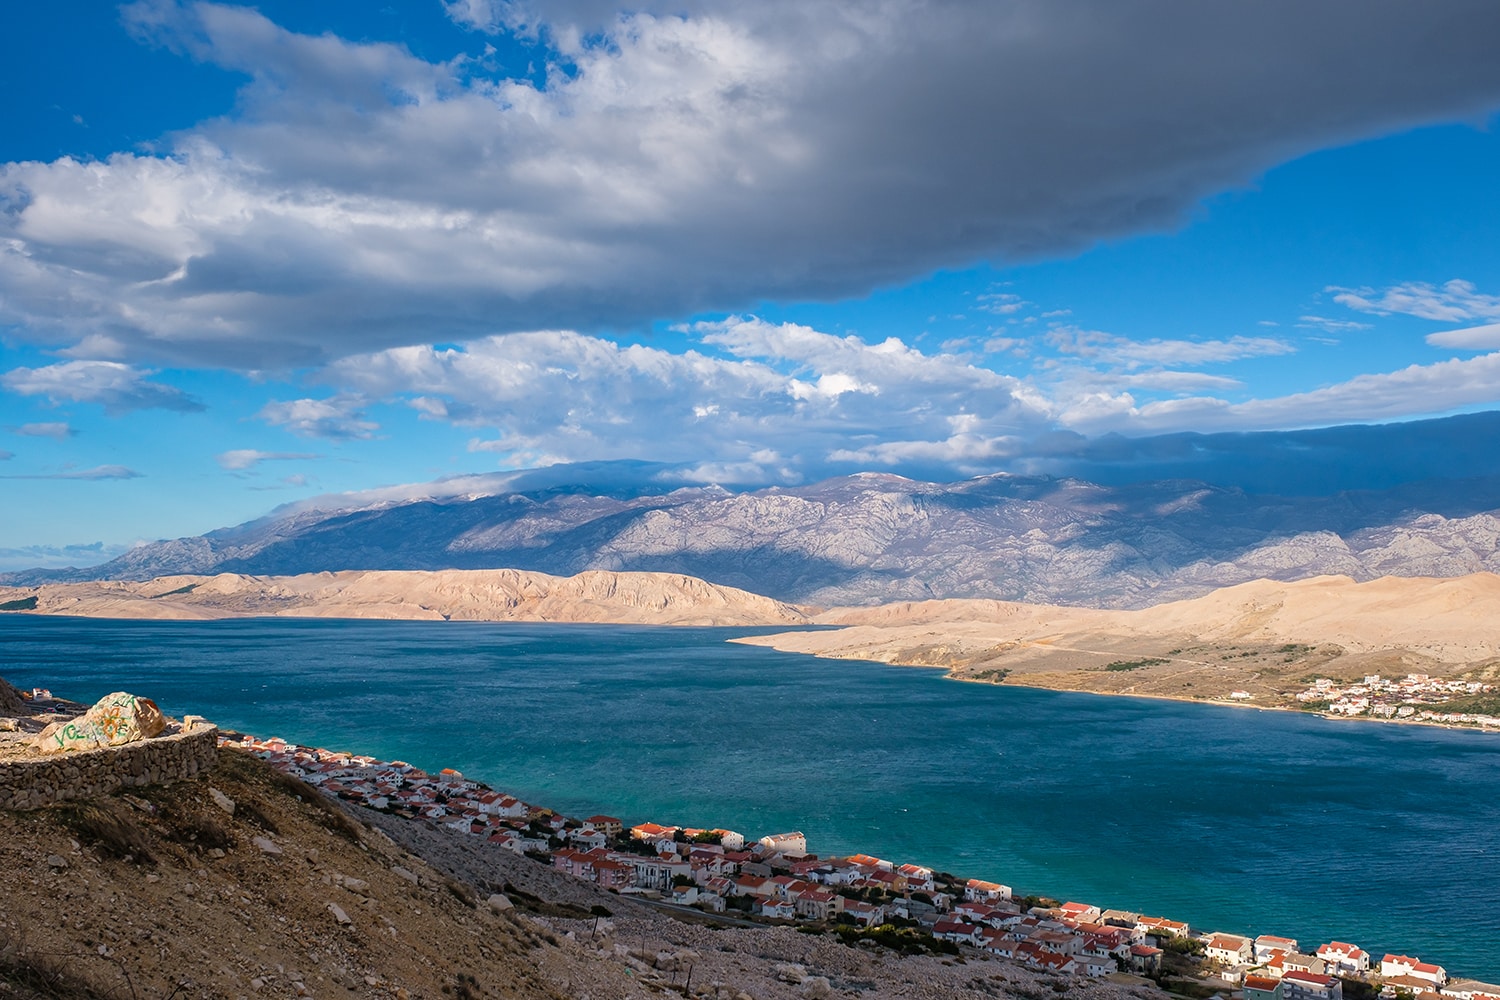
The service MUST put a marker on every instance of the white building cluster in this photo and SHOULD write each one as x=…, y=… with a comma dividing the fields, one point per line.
x=1413, y=698
x=776, y=879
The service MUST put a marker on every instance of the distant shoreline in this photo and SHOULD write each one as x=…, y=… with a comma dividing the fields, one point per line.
x=950, y=673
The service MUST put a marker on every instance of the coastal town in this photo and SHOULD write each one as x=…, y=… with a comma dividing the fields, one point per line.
x=775, y=879
x=1413, y=698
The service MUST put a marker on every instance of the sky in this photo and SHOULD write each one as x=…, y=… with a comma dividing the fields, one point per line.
x=254, y=254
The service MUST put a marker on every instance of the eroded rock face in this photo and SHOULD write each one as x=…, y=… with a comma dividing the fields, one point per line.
x=113, y=720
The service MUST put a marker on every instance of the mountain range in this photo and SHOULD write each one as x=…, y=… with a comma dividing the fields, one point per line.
x=867, y=538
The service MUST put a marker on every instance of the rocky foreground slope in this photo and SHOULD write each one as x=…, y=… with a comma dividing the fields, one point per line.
x=163, y=893
x=460, y=595
x=871, y=538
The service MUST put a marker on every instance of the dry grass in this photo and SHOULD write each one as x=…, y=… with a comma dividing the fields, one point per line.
x=111, y=827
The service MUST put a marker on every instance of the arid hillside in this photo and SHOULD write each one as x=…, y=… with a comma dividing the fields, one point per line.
x=469, y=595
x=1265, y=637
x=163, y=893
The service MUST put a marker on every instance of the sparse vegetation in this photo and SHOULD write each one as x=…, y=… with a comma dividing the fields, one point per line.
x=905, y=940
x=1120, y=665
x=188, y=589
x=43, y=974
x=111, y=827
x=1474, y=704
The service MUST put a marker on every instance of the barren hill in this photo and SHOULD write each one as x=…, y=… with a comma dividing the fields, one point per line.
x=471, y=595
x=1264, y=636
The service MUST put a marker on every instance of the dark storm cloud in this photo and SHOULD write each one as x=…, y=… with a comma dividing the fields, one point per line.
x=366, y=199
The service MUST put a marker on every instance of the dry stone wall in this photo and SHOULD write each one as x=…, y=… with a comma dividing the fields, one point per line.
x=32, y=782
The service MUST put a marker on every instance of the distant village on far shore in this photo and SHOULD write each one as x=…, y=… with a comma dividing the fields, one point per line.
x=775, y=880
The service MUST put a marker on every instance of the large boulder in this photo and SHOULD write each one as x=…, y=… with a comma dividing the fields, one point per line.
x=114, y=719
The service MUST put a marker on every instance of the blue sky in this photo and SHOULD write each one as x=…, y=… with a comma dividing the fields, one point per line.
x=251, y=255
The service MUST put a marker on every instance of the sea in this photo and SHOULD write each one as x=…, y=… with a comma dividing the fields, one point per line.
x=1231, y=819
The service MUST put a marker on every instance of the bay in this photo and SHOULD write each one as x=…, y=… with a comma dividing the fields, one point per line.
x=1231, y=819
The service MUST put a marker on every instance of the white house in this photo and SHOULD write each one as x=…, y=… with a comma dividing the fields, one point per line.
x=1267, y=944
x=1341, y=956
x=1311, y=986
x=1231, y=949
x=784, y=843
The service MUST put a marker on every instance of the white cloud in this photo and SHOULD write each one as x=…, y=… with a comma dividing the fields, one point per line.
x=1474, y=338
x=247, y=458
x=786, y=399
x=690, y=156
x=337, y=418
x=97, y=473
x=1328, y=325
x=117, y=387
x=1417, y=390
x=1451, y=302
x=1174, y=381
x=1122, y=352
x=57, y=430
x=1002, y=303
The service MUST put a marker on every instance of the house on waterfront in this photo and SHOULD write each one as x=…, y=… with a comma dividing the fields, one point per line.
x=1295, y=962
x=989, y=892
x=1311, y=986
x=1230, y=949
x=783, y=843
x=1161, y=927
x=1267, y=945
x=607, y=825
x=1392, y=966
x=1081, y=912
x=917, y=877
x=1342, y=957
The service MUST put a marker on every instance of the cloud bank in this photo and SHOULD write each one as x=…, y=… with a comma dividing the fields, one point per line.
x=685, y=158
x=118, y=387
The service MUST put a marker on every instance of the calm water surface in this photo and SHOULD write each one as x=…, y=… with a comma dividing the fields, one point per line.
x=1265, y=822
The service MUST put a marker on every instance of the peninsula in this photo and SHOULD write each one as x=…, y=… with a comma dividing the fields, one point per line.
x=1416, y=649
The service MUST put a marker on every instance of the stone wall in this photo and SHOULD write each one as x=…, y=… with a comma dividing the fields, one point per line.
x=32, y=782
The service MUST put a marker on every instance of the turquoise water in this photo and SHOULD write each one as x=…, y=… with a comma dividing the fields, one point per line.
x=1388, y=836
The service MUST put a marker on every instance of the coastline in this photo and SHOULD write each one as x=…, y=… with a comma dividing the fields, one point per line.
x=287, y=757
x=1027, y=740
x=954, y=673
